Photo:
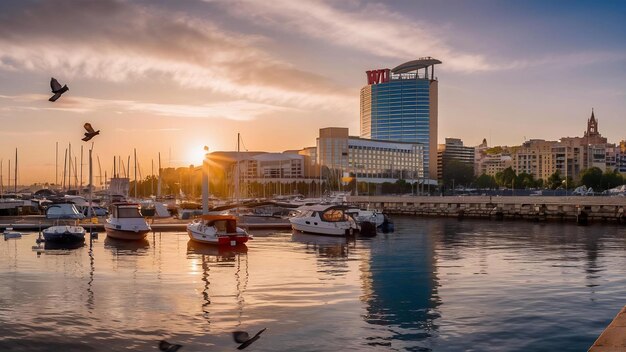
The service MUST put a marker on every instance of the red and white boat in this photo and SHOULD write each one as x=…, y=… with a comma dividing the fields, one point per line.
x=218, y=230
x=125, y=222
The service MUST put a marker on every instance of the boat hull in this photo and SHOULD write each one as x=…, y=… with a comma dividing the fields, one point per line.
x=126, y=235
x=64, y=234
x=231, y=240
x=318, y=230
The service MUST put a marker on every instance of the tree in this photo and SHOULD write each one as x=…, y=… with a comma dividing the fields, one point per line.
x=592, y=178
x=611, y=179
x=506, y=177
x=486, y=181
x=525, y=180
x=554, y=181
x=458, y=173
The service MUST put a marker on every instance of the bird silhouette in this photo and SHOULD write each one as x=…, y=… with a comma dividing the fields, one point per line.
x=168, y=347
x=90, y=132
x=244, y=339
x=57, y=89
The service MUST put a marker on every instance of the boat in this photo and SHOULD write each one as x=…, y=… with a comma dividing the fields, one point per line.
x=65, y=228
x=218, y=230
x=320, y=219
x=10, y=233
x=125, y=222
x=369, y=221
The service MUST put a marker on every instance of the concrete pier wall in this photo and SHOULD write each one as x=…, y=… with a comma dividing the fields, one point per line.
x=580, y=209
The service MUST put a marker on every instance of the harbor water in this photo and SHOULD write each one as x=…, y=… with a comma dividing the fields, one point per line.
x=433, y=285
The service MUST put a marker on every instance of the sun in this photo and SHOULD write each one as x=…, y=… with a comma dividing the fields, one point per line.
x=195, y=155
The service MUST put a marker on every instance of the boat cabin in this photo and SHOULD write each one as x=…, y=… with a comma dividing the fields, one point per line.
x=325, y=213
x=222, y=223
x=125, y=210
x=63, y=211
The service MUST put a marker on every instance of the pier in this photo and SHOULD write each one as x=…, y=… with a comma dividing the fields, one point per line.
x=39, y=222
x=571, y=208
x=613, y=338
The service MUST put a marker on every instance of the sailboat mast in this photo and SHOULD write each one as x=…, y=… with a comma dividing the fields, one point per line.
x=152, y=177
x=99, y=171
x=56, y=165
x=91, y=212
x=159, y=184
x=1, y=188
x=81, y=167
x=135, y=154
x=237, y=175
x=9, y=177
x=69, y=174
x=15, y=183
x=64, y=168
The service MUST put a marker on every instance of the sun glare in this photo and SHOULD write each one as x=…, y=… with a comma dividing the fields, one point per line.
x=195, y=155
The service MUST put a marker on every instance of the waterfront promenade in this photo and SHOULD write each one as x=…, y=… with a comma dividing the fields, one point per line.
x=605, y=209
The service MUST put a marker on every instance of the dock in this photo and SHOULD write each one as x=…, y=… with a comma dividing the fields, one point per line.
x=571, y=208
x=39, y=222
x=613, y=338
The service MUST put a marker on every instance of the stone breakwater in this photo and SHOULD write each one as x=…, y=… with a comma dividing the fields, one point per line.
x=572, y=208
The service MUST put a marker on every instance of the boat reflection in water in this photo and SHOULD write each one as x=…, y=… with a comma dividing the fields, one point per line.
x=124, y=247
x=229, y=267
x=332, y=252
x=61, y=245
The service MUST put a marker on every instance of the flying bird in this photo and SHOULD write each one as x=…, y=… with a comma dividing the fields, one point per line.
x=244, y=339
x=57, y=89
x=90, y=132
x=168, y=347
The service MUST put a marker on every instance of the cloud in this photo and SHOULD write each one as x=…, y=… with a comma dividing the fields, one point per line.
x=120, y=41
x=370, y=28
x=240, y=110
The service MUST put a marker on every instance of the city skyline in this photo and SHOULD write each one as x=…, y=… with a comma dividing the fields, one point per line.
x=173, y=77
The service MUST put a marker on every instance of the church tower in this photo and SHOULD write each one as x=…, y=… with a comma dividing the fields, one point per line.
x=592, y=126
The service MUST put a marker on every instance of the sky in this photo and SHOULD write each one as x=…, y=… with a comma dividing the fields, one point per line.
x=171, y=77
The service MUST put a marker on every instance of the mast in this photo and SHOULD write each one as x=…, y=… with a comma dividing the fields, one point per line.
x=152, y=177
x=159, y=184
x=76, y=174
x=81, y=167
x=9, y=177
x=1, y=188
x=56, y=165
x=69, y=174
x=135, y=153
x=99, y=171
x=64, y=168
x=15, y=183
x=237, y=176
x=90, y=182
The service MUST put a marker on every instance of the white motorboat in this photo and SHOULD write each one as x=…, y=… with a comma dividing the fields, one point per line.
x=125, y=222
x=65, y=228
x=218, y=230
x=324, y=220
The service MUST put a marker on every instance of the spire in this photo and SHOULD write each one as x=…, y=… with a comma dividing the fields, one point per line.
x=593, y=118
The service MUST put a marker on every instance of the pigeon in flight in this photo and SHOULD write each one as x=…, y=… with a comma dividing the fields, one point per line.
x=168, y=347
x=90, y=132
x=244, y=339
x=57, y=89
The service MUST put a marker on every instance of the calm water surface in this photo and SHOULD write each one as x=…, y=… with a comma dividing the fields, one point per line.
x=434, y=284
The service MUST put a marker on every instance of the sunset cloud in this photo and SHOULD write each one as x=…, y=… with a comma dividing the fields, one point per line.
x=118, y=41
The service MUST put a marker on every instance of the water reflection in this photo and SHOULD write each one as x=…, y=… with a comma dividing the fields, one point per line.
x=400, y=288
x=124, y=247
x=332, y=251
x=221, y=258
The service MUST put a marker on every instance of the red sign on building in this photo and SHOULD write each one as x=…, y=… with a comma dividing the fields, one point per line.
x=377, y=76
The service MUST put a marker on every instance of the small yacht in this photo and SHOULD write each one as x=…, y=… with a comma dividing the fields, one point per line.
x=125, y=222
x=218, y=230
x=324, y=220
x=10, y=233
x=65, y=228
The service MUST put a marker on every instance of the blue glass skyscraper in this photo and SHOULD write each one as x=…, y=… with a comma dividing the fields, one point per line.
x=401, y=105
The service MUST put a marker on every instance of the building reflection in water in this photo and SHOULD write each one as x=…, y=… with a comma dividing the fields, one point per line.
x=400, y=289
x=332, y=251
x=213, y=257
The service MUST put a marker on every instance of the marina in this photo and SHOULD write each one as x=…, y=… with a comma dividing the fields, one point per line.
x=434, y=284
